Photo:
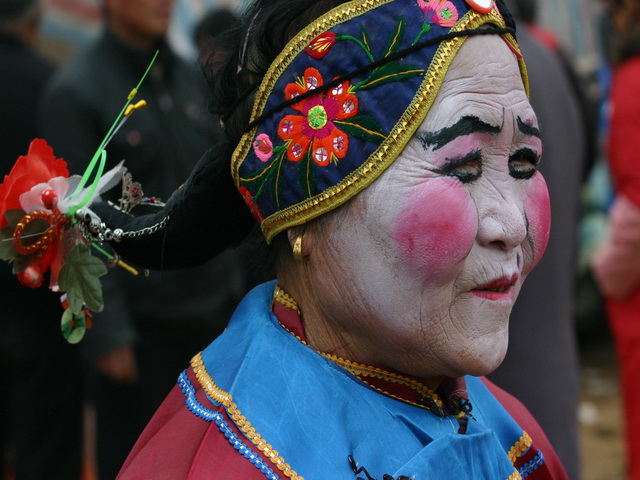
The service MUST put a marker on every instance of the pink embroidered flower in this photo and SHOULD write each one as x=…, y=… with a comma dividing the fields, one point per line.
x=321, y=45
x=248, y=199
x=263, y=147
x=315, y=128
x=440, y=12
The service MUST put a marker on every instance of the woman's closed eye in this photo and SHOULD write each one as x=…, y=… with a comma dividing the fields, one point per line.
x=523, y=164
x=465, y=168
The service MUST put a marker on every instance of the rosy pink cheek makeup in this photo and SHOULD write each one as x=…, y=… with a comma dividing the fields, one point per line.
x=537, y=208
x=436, y=228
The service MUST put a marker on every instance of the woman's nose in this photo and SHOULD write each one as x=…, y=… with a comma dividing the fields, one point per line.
x=502, y=221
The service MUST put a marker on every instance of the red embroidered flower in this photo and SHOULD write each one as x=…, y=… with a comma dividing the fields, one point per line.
x=39, y=166
x=321, y=45
x=439, y=12
x=315, y=129
x=248, y=198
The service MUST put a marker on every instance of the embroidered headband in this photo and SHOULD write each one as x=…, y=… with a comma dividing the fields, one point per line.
x=344, y=97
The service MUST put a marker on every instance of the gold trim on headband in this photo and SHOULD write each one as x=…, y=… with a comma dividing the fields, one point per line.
x=399, y=136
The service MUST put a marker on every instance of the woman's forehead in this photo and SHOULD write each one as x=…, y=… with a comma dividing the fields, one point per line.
x=483, y=81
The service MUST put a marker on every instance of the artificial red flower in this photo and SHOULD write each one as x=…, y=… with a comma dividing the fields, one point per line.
x=321, y=45
x=316, y=129
x=39, y=166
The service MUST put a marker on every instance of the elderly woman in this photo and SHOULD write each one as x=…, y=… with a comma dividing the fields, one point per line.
x=389, y=152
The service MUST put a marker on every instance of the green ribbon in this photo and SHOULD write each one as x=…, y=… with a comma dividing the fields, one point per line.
x=99, y=159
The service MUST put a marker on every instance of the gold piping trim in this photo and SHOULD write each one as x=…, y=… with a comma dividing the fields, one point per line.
x=515, y=476
x=360, y=369
x=520, y=447
x=389, y=149
x=285, y=299
x=220, y=396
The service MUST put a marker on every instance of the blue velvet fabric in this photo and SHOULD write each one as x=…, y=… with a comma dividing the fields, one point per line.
x=315, y=414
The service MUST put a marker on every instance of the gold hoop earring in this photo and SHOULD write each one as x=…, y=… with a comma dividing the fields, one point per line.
x=297, y=248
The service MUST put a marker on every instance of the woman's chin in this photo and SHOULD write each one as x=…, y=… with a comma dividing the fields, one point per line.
x=485, y=360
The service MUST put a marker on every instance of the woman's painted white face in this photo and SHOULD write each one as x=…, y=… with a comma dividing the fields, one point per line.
x=424, y=266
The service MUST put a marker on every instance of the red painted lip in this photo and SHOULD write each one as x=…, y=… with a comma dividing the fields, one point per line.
x=499, y=289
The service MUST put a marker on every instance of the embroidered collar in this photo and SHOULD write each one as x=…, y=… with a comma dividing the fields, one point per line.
x=451, y=398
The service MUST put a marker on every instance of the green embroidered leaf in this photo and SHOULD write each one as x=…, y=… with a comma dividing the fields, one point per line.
x=79, y=277
x=391, y=72
x=363, y=127
x=365, y=37
x=307, y=174
x=396, y=39
x=259, y=175
x=277, y=182
x=73, y=326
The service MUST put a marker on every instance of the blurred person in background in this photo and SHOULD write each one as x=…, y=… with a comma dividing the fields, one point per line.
x=210, y=26
x=542, y=332
x=616, y=265
x=144, y=335
x=40, y=376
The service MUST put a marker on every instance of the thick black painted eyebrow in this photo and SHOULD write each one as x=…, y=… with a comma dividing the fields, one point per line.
x=465, y=126
x=452, y=163
x=528, y=129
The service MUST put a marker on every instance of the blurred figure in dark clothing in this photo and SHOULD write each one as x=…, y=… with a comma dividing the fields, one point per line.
x=213, y=24
x=40, y=375
x=150, y=327
x=542, y=331
x=616, y=264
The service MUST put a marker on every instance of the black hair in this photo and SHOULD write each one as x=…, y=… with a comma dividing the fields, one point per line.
x=249, y=47
x=214, y=23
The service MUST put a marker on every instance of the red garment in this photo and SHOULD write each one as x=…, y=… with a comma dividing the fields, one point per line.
x=194, y=444
x=624, y=315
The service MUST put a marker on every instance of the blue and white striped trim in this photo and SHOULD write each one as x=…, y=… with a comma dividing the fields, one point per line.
x=198, y=409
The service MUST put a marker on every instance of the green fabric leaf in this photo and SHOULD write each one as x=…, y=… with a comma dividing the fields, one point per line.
x=391, y=72
x=21, y=262
x=79, y=277
x=7, y=252
x=73, y=326
x=396, y=39
x=13, y=216
x=363, y=127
